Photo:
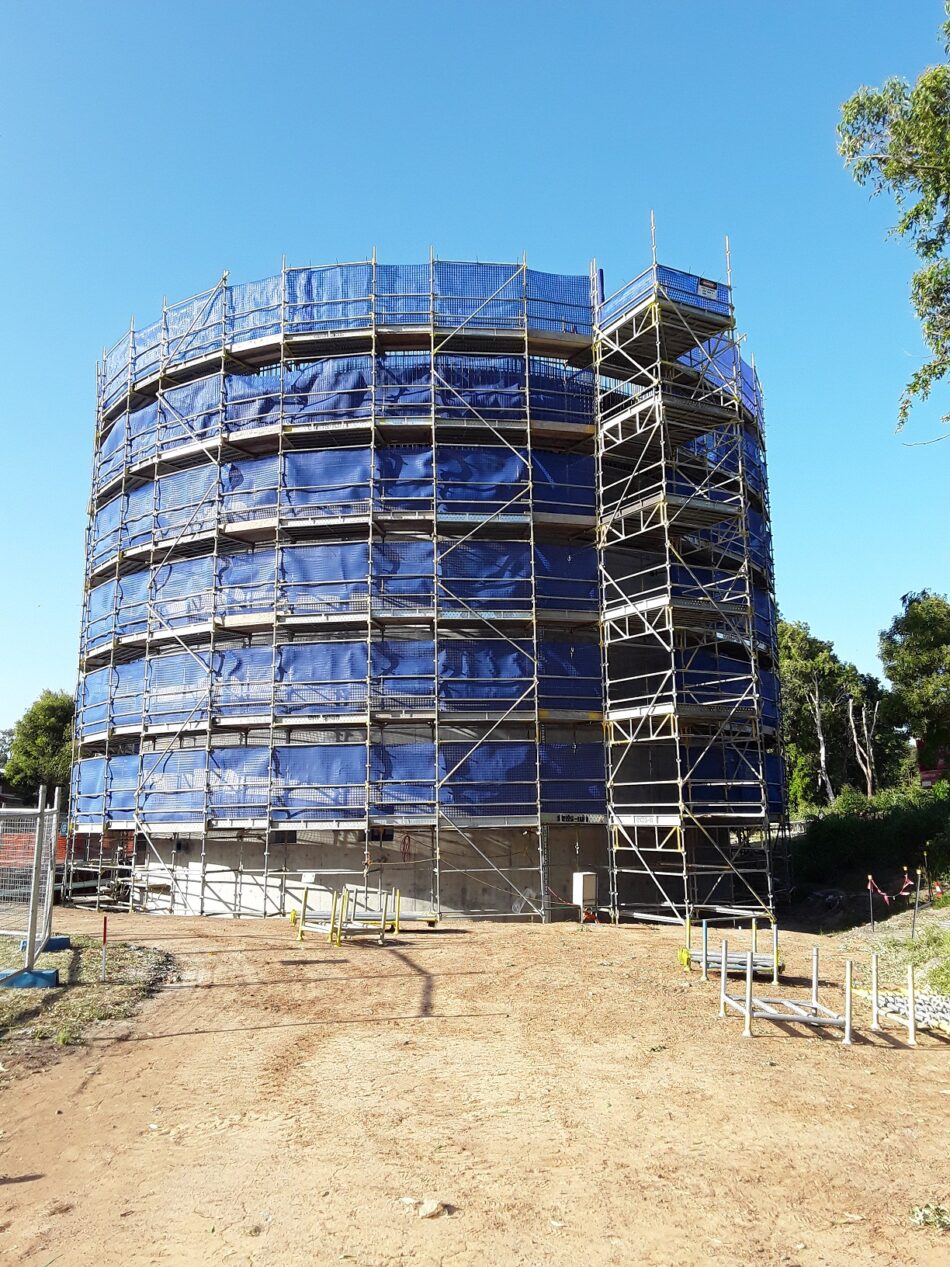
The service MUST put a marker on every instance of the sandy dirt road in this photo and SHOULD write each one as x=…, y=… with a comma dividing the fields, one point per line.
x=568, y=1092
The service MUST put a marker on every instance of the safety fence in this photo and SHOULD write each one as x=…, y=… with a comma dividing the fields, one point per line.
x=685, y=289
x=306, y=301
x=28, y=843
x=469, y=482
x=481, y=391
x=326, y=679
x=316, y=783
x=334, y=579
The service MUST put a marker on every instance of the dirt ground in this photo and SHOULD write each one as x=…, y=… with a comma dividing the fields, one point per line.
x=567, y=1092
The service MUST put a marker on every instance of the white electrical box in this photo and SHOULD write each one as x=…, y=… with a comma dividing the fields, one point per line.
x=584, y=889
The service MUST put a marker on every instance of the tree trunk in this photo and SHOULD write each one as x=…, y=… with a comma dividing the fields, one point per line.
x=864, y=745
x=814, y=699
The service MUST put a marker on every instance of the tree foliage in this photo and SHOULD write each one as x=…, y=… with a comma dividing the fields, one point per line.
x=40, y=748
x=840, y=726
x=915, y=652
x=896, y=139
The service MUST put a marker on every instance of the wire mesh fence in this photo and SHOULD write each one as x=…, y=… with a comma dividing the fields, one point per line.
x=27, y=875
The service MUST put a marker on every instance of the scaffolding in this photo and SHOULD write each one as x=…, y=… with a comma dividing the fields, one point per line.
x=341, y=608
x=694, y=772
x=374, y=550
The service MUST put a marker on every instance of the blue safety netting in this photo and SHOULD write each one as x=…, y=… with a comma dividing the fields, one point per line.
x=707, y=677
x=88, y=796
x=186, y=501
x=472, y=479
x=334, y=577
x=765, y=617
x=327, y=678
x=722, y=779
x=345, y=297
x=398, y=386
x=325, y=578
x=760, y=540
x=485, y=575
x=314, y=483
x=250, y=488
x=238, y=782
x=323, y=782
x=318, y=782
x=402, y=673
x=182, y=593
x=94, y=700
x=403, y=779
x=563, y=483
x=566, y=577
x=122, y=777
x=477, y=674
x=131, y=604
x=769, y=697
x=775, y=783
x=320, y=677
x=99, y=618
x=327, y=481
x=570, y=676
x=494, y=778
x=572, y=778
x=685, y=289
x=178, y=688
x=246, y=583
x=172, y=787
x=241, y=682
x=403, y=576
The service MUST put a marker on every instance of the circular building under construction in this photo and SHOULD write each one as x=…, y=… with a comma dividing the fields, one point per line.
x=450, y=578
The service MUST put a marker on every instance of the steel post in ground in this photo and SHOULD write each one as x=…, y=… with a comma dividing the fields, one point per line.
x=814, y=978
x=36, y=880
x=911, y=1008
x=875, y=1010
x=705, y=950
x=848, y=982
x=724, y=952
x=747, y=1029
x=774, y=953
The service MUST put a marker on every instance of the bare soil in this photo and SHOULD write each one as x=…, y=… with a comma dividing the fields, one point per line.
x=567, y=1092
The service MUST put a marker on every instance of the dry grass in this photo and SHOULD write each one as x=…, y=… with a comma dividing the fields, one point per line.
x=63, y=1015
x=928, y=950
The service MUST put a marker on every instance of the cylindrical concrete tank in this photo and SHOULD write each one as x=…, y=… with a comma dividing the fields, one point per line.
x=341, y=616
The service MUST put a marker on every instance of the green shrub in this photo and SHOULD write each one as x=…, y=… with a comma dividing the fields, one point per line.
x=880, y=833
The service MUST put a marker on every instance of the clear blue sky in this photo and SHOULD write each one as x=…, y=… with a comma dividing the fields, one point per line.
x=146, y=147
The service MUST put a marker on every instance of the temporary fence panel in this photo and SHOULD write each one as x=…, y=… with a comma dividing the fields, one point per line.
x=27, y=873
